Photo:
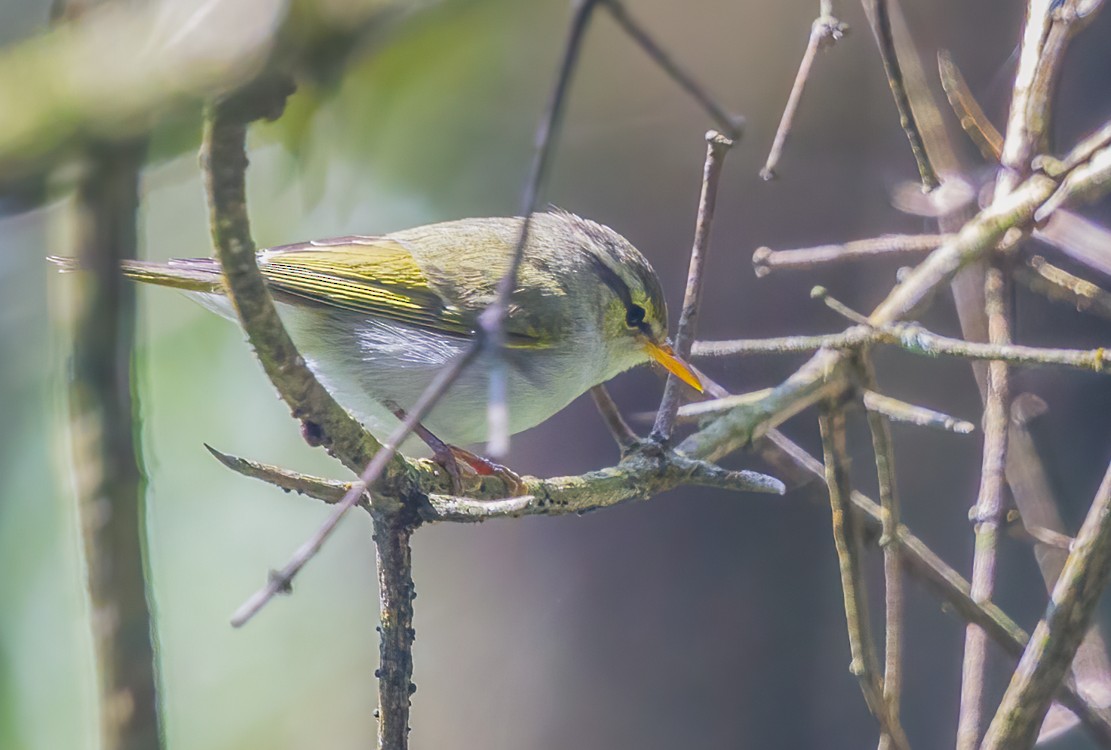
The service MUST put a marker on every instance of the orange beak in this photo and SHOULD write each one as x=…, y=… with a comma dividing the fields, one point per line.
x=665, y=355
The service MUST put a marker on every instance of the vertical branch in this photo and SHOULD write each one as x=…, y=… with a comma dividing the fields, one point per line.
x=846, y=538
x=396, y=634
x=1054, y=642
x=717, y=146
x=107, y=467
x=883, y=449
x=988, y=511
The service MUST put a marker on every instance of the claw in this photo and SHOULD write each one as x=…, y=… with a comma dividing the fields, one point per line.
x=484, y=467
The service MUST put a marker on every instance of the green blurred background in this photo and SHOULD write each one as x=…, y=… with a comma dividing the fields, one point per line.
x=700, y=619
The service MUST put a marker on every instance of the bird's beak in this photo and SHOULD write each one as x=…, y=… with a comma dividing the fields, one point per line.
x=665, y=355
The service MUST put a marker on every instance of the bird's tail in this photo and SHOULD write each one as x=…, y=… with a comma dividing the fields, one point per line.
x=189, y=275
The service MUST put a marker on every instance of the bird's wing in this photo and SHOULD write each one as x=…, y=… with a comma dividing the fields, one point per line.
x=370, y=275
x=374, y=276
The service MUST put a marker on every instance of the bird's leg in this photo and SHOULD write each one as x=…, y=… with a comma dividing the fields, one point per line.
x=452, y=458
x=442, y=453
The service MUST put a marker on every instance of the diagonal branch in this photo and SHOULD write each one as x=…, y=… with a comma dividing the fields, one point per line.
x=1054, y=643
x=880, y=21
x=825, y=31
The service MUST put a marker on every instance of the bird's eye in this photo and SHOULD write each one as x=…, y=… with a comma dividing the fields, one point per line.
x=634, y=316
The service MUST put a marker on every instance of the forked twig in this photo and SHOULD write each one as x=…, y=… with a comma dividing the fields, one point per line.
x=846, y=537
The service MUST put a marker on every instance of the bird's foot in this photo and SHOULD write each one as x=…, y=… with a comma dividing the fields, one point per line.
x=484, y=467
x=459, y=461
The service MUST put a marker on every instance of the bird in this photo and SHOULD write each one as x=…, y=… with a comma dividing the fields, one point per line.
x=377, y=317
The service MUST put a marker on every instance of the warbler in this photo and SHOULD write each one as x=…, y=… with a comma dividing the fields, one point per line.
x=377, y=317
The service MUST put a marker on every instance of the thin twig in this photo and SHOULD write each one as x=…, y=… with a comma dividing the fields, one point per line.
x=717, y=146
x=492, y=319
x=825, y=31
x=900, y=411
x=107, y=462
x=891, y=408
x=880, y=21
x=765, y=260
x=729, y=124
x=988, y=512
x=916, y=340
x=821, y=293
x=1055, y=640
x=846, y=537
x=622, y=433
x=883, y=449
x=972, y=118
x=1058, y=284
x=280, y=581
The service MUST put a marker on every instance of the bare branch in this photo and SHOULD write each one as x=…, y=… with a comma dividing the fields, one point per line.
x=879, y=19
x=900, y=411
x=1058, y=284
x=884, y=451
x=717, y=146
x=972, y=118
x=1055, y=640
x=988, y=513
x=280, y=581
x=846, y=537
x=622, y=433
x=913, y=339
x=825, y=31
x=395, y=644
x=225, y=160
x=937, y=576
x=765, y=260
x=492, y=320
x=729, y=124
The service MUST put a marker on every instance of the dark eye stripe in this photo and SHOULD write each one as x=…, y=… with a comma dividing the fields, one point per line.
x=616, y=283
